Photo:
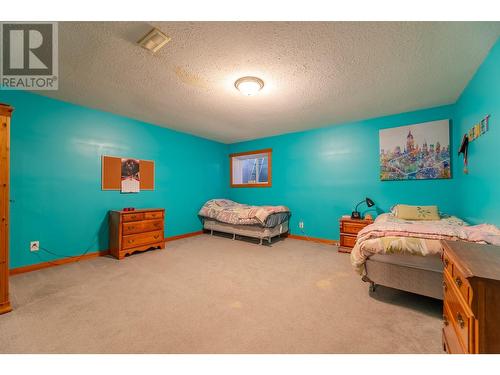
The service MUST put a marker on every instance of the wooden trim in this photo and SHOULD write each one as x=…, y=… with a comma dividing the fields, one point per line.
x=313, y=239
x=57, y=262
x=185, y=235
x=263, y=151
x=269, y=152
x=5, y=308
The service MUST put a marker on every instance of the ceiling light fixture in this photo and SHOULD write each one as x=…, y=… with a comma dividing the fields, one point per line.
x=249, y=85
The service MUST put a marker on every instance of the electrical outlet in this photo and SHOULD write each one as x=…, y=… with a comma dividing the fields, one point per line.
x=301, y=224
x=34, y=245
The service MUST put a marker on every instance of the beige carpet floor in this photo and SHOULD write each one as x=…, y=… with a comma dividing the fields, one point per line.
x=214, y=295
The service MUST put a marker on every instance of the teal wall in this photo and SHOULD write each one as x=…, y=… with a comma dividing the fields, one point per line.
x=479, y=191
x=321, y=174
x=56, y=151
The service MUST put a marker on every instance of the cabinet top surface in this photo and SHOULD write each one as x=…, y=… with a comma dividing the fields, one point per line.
x=478, y=260
x=360, y=221
x=138, y=210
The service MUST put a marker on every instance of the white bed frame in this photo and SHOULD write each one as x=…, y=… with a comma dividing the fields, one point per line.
x=253, y=231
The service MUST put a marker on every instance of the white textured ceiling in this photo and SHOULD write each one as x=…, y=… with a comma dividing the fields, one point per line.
x=315, y=73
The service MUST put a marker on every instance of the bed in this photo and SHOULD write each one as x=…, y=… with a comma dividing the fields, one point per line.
x=406, y=254
x=261, y=222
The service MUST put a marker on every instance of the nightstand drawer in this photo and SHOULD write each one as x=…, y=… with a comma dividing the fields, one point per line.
x=352, y=228
x=347, y=241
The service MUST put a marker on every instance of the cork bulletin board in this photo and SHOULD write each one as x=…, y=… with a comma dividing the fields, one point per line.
x=111, y=173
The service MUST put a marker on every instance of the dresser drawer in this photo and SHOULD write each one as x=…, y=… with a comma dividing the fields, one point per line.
x=450, y=338
x=142, y=226
x=457, y=278
x=347, y=241
x=133, y=216
x=462, y=285
x=142, y=239
x=447, y=263
x=459, y=313
x=153, y=215
x=352, y=228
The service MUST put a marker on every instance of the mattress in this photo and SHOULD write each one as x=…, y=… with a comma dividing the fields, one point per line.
x=429, y=263
x=417, y=274
x=392, y=237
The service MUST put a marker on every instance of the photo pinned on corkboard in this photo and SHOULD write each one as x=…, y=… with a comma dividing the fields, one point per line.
x=130, y=176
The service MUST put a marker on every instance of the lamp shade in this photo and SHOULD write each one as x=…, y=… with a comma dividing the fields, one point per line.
x=369, y=202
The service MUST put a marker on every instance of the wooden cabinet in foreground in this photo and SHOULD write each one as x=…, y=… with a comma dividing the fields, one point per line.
x=471, y=286
x=5, y=115
x=139, y=230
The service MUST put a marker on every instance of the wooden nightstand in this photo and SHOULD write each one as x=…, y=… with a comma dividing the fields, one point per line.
x=349, y=229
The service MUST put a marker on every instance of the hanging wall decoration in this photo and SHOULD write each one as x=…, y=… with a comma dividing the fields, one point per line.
x=415, y=152
x=474, y=133
x=464, y=149
x=127, y=174
x=479, y=129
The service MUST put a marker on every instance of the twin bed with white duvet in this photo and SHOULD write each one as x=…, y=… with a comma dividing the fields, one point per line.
x=406, y=254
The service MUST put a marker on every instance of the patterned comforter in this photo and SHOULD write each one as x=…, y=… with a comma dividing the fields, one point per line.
x=390, y=235
x=227, y=211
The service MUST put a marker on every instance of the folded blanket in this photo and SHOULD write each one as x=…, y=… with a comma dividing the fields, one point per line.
x=388, y=235
x=227, y=211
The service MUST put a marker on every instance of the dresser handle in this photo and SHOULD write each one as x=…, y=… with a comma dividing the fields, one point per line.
x=460, y=320
x=130, y=241
x=445, y=320
x=157, y=224
x=458, y=281
x=131, y=227
x=445, y=287
x=156, y=236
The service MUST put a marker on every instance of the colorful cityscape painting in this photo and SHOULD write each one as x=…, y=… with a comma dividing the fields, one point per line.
x=415, y=152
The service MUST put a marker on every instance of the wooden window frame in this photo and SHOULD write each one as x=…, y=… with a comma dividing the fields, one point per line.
x=269, y=152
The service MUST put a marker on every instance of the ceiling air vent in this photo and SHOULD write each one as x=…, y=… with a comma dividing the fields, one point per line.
x=154, y=40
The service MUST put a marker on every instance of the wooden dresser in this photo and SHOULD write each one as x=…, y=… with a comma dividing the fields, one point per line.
x=5, y=114
x=139, y=230
x=349, y=229
x=471, y=312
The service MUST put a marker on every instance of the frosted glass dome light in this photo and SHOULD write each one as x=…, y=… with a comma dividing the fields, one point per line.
x=249, y=85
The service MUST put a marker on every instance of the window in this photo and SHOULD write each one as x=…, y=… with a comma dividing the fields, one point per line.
x=251, y=169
